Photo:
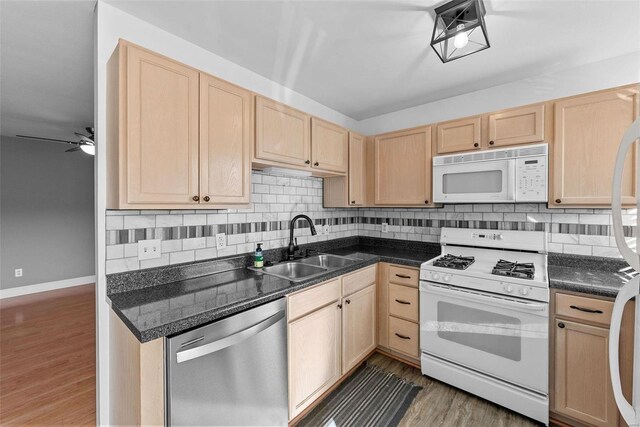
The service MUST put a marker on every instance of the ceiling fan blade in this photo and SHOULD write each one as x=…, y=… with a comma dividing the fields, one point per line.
x=46, y=139
x=71, y=150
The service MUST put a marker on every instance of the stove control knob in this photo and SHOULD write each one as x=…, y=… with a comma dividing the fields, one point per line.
x=446, y=278
x=524, y=291
x=435, y=276
x=508, y=288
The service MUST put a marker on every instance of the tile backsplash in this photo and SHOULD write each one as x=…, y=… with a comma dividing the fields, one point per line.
x=190, y=235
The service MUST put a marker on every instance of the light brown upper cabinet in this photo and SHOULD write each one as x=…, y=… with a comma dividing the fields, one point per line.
x=174, y=142
x=403, y=168
x=459, y=135
x=588, y=130
x=282, y=133
x=329, y=146
x=516, y=126
x=345, y=191
x=225, y=142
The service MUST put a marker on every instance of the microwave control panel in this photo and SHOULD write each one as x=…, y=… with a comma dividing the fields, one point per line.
x=531, y=179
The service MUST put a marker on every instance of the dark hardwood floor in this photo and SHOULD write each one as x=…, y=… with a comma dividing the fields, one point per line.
x=439, y=404
x=47, y=358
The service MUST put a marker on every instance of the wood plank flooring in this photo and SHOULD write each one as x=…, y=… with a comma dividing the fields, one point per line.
x=47, y=358
x=439, y=404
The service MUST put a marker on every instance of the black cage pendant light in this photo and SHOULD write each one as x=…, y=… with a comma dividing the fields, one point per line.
x=460, y=29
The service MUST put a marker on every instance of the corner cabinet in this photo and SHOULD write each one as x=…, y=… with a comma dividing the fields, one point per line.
x=588, y=130
x=331, y=329
x=403, y=168
x=167, y=126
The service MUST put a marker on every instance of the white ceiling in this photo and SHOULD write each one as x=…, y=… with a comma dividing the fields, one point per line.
x=359, y=58
x=46, y=67
x=368, y=58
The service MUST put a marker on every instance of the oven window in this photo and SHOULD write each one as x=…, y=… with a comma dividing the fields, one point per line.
x=489, y=181
x=479, y=329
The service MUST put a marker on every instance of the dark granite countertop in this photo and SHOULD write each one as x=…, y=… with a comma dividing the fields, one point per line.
x=590, y=275
x=165, y=309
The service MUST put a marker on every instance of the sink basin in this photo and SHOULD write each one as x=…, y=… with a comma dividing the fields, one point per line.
x=293, y=270
x=328, y=261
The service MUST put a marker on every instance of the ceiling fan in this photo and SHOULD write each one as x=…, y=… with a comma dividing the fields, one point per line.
x=85, y=144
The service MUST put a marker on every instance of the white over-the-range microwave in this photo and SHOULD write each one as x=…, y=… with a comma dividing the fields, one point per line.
x=513, y=175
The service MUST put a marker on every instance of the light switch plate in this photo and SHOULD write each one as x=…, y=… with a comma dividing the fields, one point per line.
x=221, y=240
x=149, y=249
x=326, y=229
x=385, y=227
x=18, y=272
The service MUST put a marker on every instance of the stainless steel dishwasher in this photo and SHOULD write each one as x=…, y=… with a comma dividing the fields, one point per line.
x=232, y=372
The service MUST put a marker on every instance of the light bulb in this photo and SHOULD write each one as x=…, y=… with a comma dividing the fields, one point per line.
x=461, y=39
x=89, y=149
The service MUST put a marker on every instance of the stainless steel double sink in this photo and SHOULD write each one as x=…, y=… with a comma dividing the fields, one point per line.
x=306, y=268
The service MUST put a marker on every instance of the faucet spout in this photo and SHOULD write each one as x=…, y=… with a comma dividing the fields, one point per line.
x=291, y=251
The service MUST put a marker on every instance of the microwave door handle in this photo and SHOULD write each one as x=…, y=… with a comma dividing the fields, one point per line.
x=627, y=142
x=499, y=302
x=511, y=180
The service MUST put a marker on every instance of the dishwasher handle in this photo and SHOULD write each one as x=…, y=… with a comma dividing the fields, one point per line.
x=228, y=341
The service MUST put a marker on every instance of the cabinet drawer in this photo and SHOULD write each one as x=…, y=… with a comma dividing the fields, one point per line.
x=584, y=308
x=403, y=302
x=309, y=300
x=404, y=276
x=359, y=280
x=403, y=336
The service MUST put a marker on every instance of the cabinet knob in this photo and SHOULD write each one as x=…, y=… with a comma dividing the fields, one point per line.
x=491, y=142
x=561, y=325
x=558, y=201
x=348, y=301
x=475, y=144
x=316, y=164
x=426, y=202
x=340, y=306
x=195, y=198
x=307, y=162
x=206, y=198
x=353, y=202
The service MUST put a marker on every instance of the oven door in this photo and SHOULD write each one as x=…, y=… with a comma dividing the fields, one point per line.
x=503, y=337
x=476, y=182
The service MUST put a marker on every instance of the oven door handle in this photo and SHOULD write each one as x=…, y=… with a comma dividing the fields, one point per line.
x=473, y=297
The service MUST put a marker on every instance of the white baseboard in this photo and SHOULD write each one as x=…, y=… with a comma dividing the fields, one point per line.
x=48, y=286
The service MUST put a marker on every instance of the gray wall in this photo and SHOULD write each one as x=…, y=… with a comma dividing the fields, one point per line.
x=46, y=213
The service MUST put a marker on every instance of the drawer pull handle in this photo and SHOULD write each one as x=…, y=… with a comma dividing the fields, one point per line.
x=403, y=302
x=586, y=310
x=403, y=276
x=402, y=336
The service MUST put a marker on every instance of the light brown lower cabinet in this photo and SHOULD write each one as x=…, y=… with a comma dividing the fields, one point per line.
x=331, y=330
x=581, y=386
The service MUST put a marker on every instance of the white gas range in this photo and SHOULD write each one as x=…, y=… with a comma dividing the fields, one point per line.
x=484, y=317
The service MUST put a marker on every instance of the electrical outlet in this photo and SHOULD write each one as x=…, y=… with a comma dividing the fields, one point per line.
x=149, y=249
x=385, y=227
x=18, y=272
x=221, y=240
x=326, y=229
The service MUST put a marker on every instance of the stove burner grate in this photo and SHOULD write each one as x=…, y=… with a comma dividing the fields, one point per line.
x=514, y=269
x=455, y=262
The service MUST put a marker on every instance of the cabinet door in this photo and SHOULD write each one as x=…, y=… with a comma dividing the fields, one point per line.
x=314, y=356
x=357, y=178
x=282, y=133
x=161, y=129
x=329, y=146
x=459, y=135
x=358, y=326
x=225, y=138
x=588, y=130
x=582, y=383
x=517, y=126
x=403, y=167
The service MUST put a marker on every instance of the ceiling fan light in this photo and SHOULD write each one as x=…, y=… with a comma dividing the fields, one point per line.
x=459, y=29
x=89, y=149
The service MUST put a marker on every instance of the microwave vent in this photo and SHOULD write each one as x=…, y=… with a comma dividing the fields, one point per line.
x=532, y=150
